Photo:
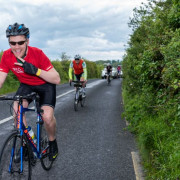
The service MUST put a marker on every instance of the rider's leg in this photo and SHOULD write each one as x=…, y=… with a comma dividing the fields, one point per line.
x=22, y=90
x=15, y=111
x=50, y=121
x=77, y=78
x=84, y=84
x=47, y=93
x=83, y=79
x=107, y=77
x=50, y=125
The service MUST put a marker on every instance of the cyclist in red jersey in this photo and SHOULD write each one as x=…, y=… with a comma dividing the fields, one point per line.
x=35, y=73
x=118, y=70
x=78, y=65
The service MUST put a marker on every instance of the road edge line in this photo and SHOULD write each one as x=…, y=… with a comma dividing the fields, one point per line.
x=137, y=166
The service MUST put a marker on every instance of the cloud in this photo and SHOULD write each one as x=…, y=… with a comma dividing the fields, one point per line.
x=86, y=46
x=94, y=29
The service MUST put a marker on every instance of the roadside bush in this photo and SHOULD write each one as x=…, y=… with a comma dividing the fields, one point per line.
x=151, y=87
x=11, y=84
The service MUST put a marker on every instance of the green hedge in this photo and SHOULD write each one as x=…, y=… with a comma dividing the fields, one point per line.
x=11, y=84
x=151, y=86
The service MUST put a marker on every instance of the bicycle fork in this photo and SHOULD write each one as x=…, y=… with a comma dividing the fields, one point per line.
x=14, y=147
x=12, y=155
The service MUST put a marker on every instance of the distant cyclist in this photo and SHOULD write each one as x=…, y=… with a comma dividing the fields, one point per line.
x=109, y=69
x=78, y=65
x=118, y=70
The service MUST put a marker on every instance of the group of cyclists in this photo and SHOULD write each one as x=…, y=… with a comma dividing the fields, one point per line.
x=109, y=70
x=36, y=73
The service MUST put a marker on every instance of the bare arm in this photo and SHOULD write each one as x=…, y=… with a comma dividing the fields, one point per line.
x=3, y=76
x=51, y=76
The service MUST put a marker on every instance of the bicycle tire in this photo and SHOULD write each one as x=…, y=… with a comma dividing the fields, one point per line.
x=76, y=101
x=45, y=162
x=109, y=80
x=83, y=100
x=14, y=140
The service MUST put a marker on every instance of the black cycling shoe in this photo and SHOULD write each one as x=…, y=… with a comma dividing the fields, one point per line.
x=53, y=150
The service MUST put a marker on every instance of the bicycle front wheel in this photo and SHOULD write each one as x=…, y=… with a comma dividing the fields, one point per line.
x=45, y=162
x=109, y=80
x=76, y=101
x=10, y=161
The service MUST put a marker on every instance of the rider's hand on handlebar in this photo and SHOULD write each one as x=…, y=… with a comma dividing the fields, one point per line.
x=70, y=81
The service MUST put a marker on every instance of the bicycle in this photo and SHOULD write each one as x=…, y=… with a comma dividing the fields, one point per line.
x=108, y=79
x=80, y=96
x=19, y=152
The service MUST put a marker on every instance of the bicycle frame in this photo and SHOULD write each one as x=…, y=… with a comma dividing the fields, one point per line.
x=23, y=131
x=22, y=151
x=77, y=94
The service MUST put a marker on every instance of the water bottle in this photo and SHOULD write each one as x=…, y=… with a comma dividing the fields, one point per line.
x=31, y=133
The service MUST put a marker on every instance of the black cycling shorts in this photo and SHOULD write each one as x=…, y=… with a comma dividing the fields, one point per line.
x=78, y=76
x=47, y=93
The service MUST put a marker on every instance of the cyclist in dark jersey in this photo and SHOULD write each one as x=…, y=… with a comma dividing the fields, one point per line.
x=109, y=68
x=35, y=73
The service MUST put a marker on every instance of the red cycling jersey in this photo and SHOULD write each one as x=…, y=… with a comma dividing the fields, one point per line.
x=34, y=56
x=78, y=68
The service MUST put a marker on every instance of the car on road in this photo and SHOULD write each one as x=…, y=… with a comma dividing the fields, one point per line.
x=121, y=74
x=114, y=73
x=103, y=73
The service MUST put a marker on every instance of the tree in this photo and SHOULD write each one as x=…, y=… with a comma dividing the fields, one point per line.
x=64, y=56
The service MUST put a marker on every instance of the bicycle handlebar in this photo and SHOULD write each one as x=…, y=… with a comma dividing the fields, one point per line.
x=79, y=82
x=30, y=96
x=6, y=98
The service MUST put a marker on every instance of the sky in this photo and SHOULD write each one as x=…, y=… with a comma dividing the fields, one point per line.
x=95, y=29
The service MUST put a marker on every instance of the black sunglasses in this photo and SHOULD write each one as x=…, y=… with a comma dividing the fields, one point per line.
x=77, y=59
x=14, y=43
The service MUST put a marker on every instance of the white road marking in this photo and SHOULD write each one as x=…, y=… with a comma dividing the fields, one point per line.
x=91, y=85
x=6, y=119
x=64, y=94
x=88, y=86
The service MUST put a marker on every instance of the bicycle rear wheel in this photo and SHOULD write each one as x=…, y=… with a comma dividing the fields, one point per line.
x=10, y=163
x=83, y=100
x=45, y=162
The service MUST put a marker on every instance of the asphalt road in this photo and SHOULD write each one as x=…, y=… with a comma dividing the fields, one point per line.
x=93, y=144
